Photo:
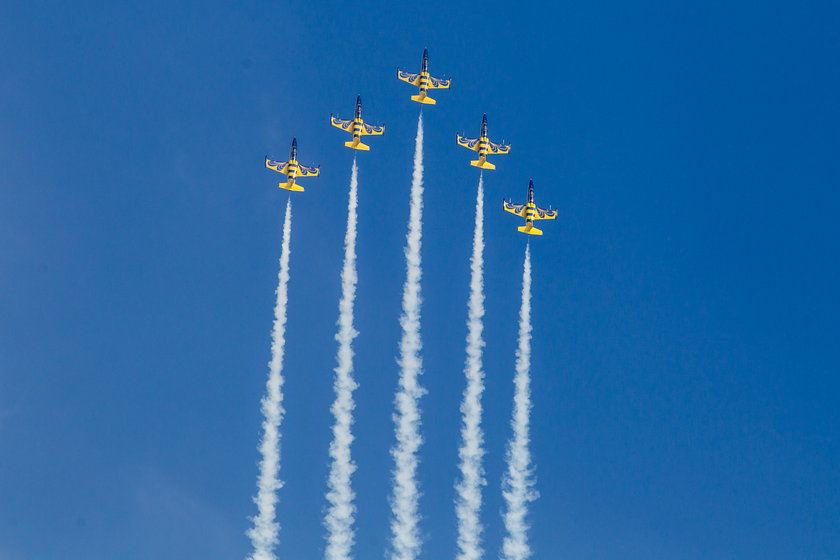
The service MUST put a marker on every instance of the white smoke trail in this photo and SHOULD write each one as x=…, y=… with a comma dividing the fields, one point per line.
x=518, y=484
x=405, y=540
x=340, y=516
x=468, y=503
x=264, y=532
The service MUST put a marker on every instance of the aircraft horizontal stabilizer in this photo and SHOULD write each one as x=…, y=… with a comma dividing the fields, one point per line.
x=530, y=230
x=423, y=99
x=291, y=187
x=483, y=164
x=357, y=145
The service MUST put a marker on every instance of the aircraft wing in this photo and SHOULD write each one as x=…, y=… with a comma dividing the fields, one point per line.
x=439, y=83
x=372, y=129
x=493, y=148
x=542, y=214
x=469, y=143
x=306, y=171
x=279, y=166
x=413, y=79
x=341, y=123
x=518, y=209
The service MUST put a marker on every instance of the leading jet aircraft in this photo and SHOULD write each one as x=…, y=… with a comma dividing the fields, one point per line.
x=530, y=212
x=483, y=146
x=292, y=169
x=357, y=127
x=424, y=81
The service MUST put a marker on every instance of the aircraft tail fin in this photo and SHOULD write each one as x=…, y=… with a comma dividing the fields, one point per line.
x=423, y=99
x=483, y=164
x=530, y=230
x=291, y=187
x=357, y=145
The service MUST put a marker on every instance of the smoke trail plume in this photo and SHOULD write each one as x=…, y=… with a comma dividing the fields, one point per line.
x=468, y=503
x=264, y=532
x=405, y=540
x=518, y=484
x=340, y=516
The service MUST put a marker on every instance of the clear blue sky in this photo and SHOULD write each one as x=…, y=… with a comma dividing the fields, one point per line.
x=686, y=349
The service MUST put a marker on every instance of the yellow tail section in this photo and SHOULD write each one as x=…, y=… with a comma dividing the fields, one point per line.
x=357, y=145
x=291, y=187
x=483, y=164
x=423, y=99
x=530, y=230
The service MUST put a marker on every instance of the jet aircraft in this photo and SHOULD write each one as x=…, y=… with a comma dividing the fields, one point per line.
x=530, y=212
x=357, y=127
x=292, y=169
x=424, y=81
x=483, y=146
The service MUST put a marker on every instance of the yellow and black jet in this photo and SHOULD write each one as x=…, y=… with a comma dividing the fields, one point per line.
x=483, y=146
x=292, y=169
x=530, y=212
x=424, y=81
x=357, y=127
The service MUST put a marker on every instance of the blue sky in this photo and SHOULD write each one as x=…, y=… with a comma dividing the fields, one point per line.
x=686, y=350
